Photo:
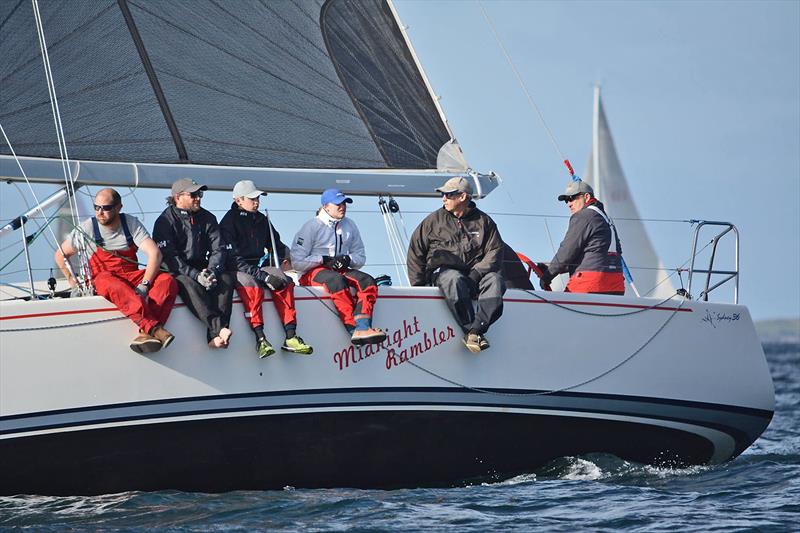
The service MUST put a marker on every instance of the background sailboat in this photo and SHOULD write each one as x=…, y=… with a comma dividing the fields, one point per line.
x=604, y=173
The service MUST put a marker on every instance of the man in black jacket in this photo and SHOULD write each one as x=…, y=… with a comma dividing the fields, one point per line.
x=253, y=245
x=193, y=251
x=458, y=249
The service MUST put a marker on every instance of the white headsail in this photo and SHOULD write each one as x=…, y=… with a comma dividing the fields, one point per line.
x=604, y=174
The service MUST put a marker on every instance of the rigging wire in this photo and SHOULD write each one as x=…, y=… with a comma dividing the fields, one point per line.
x=527, y=92
x=62, y=146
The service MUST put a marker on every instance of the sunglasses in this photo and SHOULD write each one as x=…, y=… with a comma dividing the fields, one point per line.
x=195, y=195
x=106, y=208
x=451, y=195
x=573, y=197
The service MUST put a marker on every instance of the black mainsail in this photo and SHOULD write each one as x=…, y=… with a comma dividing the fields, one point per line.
x=294, y=95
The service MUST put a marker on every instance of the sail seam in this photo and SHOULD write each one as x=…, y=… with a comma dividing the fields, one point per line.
x=154, y=83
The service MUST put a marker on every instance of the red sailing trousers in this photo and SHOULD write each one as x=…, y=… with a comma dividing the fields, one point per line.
x=338, y=286
x=116, y=274
x=597, y=282
x=252, y=294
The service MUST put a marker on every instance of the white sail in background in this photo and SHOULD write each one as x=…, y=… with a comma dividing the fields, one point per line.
x=604, y=174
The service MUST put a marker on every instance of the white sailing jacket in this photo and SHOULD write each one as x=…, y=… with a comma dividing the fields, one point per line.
x=324, y=235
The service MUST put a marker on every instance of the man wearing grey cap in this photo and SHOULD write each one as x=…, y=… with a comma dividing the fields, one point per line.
x=458, y=248
x=586, y=251
x=254, y=249
x=194, y=253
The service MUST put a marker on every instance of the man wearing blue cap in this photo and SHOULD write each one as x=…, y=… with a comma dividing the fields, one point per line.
x=328, y=251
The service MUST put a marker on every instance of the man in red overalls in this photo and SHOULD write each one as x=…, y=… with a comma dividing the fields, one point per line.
x=112, y=239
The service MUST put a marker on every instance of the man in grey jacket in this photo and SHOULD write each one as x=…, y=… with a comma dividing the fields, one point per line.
x=458, y=248
x=591, y=251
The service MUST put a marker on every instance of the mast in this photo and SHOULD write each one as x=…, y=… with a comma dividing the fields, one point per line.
x=596, y=141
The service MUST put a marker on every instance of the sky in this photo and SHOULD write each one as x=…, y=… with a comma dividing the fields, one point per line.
x=702, y=98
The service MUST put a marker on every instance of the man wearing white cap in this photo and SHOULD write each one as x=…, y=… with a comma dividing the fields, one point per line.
x=253, y=245
x=458, y=248
x=586, y=251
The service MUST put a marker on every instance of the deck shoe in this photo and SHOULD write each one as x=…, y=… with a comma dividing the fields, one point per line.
x=145, y=343
x=264, y=348
x=473, y=342
x=483, y=343
x=367, y=336
x=164, y=336
x=297, y=345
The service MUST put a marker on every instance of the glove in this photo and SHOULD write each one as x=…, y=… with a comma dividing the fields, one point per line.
x=340, y=262
x=273, y=283
x=207, y=279
x=547, y=277
x=475, y=276
x=327, y=260
x=142, y=289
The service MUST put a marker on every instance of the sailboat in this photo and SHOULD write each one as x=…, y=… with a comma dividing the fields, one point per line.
x=604, y=173
x=299, y=97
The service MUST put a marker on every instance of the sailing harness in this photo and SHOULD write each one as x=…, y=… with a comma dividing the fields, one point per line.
x=625, y=272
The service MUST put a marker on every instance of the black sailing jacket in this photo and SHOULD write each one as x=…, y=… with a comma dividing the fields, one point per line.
x=189, y=241
x=247, y=238
x=469, y=243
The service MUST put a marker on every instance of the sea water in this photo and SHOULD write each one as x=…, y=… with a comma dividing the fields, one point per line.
x=758, y=491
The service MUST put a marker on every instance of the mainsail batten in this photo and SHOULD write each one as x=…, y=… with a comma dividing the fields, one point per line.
x=312, y=85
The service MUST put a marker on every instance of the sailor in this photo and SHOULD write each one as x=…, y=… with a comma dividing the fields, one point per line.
x=328, y=251
x=586, y=251
x=458, y=249
x=147, y=295
x=194, y=253
x=252, y=243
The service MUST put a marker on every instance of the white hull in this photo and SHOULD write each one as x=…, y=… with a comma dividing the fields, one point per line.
x=97, y=417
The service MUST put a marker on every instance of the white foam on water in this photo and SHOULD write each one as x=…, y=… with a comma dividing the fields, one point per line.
x=581, y=469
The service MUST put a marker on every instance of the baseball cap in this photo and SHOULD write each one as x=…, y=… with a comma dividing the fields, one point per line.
x=187, y=185
x=246, y=188
x=457, y=184
x=575, y=187
x=334, y=196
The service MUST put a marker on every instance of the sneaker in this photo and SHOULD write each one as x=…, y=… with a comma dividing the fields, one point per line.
x=216, y=342
x=145, y=343
x=264, y=348
x=297, y=345
x=368, y=336
x=164, y=336
x=483, y=343
x=473, y=342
